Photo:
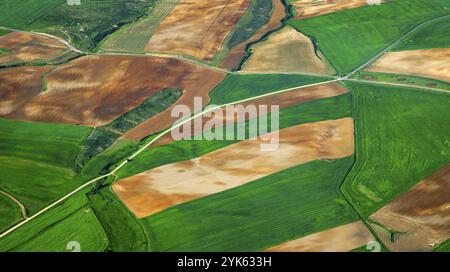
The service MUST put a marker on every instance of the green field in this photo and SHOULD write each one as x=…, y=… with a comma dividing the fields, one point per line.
x=284, y=206
x=435, y=35
x=9, y=211
x=36, y=160
x=18, y=14
x=314, y=111
x=400, y=140
x=350, y=37
x=124, y=231
x=82, y=226
x=39, y=225
x=236, y=87
x=444, y=247
x=93, y=217
x=403, y=79
x=134, y=37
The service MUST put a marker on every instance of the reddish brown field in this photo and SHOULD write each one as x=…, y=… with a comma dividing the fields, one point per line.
x=19, y=85
x=95, y=90
x=283, y=100
x=312, y=8
x=340, y=239
x=197, y=27
x=237, y=53
x=28, y=47
x=433, y=63
x=422, y=215
x=234, y=165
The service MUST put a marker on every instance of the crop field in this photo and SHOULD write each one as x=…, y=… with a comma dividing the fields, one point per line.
x=431, y=63
x=302, y=200
x=197, y=27
x=312, y=8
x=124, y=232
x=25, y=47
x=444, y=247
x=134, y=37
x=18, y=14
x=10, y=212
x=29, y=231
x=81, y=226
x=20, y=84
x=286, y=51
x=37, y=159
x=419, y=214
x=339, y=239
x=325, y=126
x=91, y=90
x=236, y=87
x=414, y=146
x=235, y=165
x=432, y=36
x=313, y=111
x=283, y=100
x=369, y=28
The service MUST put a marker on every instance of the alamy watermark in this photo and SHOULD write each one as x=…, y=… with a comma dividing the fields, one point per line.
x=230, y=122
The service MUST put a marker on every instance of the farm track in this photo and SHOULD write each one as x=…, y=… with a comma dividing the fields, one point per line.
x=22, y=207
x=336, y=79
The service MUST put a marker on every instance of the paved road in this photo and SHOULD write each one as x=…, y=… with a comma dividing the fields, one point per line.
x=345, y=78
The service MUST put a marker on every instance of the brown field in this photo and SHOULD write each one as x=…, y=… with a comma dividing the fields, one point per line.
x=286, y=51
x=422, y=215
x=433, y=63
x=28, y=47
x=284, y=100
x=94, y=90
x=312, y=8
x=18, y=85
x=237, y=164
x=340, y=239
x=197, y=27
x=237, y=53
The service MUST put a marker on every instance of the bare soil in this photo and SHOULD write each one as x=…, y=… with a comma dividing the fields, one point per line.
x=340, y=239
x=433, y=63
x=197, y=27
x=421, y=215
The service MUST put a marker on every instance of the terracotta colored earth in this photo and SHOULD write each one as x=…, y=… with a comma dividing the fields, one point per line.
x=157, y=189
x=283, y=100
x=24, y=47
x=19, y=85
x=312, y=8
x=95, y=90
x=340, y=239
x=433, y=63
x=422, y=215
x=197, y=27
x=286, y=50
x=237, y=53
